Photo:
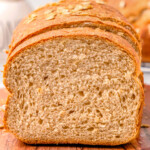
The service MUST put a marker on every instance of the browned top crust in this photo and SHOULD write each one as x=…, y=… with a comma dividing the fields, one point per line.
x=65, y=11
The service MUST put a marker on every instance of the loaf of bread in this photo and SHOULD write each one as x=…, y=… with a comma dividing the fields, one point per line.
x=138, y=13
x=73, y=73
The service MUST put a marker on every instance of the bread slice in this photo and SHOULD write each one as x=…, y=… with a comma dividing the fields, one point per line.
x=93, y=22
x=74, y=85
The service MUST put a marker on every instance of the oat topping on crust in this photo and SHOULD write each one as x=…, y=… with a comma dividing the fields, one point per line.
x=122, y=4
x=50, y=16
x=83, y=6
x=2, y=108
x=100, y=1
x=31, y=18
x=62, y=10
x=47, y=12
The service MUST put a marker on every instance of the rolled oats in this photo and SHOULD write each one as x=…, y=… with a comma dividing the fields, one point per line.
x=122, y=4
x=31, y=18
x=100, y=1
x=62, y=10
x=50, y=16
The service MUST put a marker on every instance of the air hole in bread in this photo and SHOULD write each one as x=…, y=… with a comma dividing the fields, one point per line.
x=53, y=71
x=30, y=84
x=87, y=103
x=49, y=56
x=73, y=119
x=71, y=111
x=117, y=136
x=59, y=104
x=133, y=96
x=120, y=58
x=40, y=121
x=123, y=99
x=26, y=107
x=43, y=107
x=99, y=113
x=81, y=111
x=52, y=94
x=106, y=63
x=81, y=93
x=46, y=77
x=111, y=93
x=97, y=88
x=62, y=76
x=132, y=112
x=100, y=93
x=22, y=104
x=89, y=110
x=37, y=112
x=90, y=129
x=54, y=105
x=65, y=127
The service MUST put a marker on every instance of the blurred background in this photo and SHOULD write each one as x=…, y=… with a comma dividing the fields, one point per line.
x=12, y=11
x=36, y=3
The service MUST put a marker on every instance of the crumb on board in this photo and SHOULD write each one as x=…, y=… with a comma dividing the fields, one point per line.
x=145, y=126
x=2, y=108
x=1, y=126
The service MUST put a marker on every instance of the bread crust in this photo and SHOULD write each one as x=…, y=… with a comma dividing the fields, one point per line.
x=40, y=24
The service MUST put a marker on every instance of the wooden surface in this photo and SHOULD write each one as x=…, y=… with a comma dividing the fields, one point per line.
x=9, y=142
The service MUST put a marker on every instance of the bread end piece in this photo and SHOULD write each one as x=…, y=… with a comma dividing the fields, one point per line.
x=73, y=90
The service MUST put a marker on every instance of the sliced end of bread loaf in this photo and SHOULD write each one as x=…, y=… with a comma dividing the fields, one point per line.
x=73, y=90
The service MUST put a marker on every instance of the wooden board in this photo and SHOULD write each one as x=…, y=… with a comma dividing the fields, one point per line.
x=9, y=142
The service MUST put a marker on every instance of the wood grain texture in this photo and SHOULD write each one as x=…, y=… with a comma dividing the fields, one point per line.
x=9, y=142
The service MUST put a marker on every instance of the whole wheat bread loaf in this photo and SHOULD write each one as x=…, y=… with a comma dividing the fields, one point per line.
x=73, y=73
